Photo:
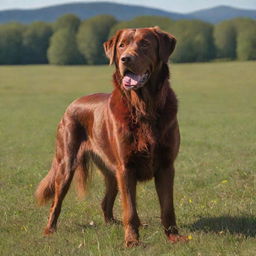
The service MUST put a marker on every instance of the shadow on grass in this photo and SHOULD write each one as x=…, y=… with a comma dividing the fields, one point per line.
x=234, y=225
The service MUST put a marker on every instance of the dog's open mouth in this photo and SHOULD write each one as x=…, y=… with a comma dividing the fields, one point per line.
x=133, y=81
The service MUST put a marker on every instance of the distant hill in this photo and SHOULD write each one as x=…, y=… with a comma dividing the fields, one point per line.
x=120, y=11
x=84, y=11
x=220, y=13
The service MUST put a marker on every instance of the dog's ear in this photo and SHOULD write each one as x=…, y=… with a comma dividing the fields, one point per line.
x=110, y=47
x=166, y=44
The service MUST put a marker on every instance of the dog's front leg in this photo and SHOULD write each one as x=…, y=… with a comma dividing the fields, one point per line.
x=164, y=186
x=127, y=187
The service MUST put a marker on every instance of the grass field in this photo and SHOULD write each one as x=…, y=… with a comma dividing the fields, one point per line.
x=215, y=172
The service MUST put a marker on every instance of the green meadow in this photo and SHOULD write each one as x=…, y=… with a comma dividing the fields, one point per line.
x=215, y=184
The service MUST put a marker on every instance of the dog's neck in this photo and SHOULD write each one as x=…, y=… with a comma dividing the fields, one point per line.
x=138, y=110
x=158, y=77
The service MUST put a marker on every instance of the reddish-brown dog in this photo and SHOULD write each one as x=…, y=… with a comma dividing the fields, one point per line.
x=131, y=134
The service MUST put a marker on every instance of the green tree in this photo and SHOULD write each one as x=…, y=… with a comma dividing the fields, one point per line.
x=225, y=40
x=91, y=35
x=68, y=21
x=236, y=38
x=144, y=21
x=63, y=48
x=246, y=38
x=11, y=43
x=194, y=41
x=246, y=44
x=36, y=42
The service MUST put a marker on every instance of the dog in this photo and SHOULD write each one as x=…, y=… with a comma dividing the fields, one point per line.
x=131, y=134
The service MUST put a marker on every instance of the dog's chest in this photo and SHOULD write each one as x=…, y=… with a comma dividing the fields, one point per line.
x=142, y=164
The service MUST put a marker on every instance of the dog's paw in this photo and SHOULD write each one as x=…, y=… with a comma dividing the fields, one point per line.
x=49, y=231
x=132, y=243
x=131, y=237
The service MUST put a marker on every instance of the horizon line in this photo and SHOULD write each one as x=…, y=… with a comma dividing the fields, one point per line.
x=116, y=3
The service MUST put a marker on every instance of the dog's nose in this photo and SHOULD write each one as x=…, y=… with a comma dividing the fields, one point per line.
x=126, y=58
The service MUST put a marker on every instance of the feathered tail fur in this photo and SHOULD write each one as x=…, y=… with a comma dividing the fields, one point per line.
x=46, y=188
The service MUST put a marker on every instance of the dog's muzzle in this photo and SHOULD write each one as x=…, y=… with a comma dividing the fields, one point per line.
x=133, y=81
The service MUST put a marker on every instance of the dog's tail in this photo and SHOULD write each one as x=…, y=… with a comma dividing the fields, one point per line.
x=82, y=175
x=45, y=190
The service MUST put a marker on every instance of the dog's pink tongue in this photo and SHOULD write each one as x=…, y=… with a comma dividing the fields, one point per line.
x=131, y=79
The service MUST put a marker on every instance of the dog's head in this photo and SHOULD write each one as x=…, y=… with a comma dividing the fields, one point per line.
x=137, y=53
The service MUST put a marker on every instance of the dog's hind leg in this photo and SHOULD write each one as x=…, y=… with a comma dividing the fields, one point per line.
x=68, y=143
x=109, y=198
x=62, y=183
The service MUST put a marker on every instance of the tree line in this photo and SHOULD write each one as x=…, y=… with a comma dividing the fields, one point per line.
x=70, y=41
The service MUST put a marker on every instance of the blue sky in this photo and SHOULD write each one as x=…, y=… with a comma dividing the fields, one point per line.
x=182, y=6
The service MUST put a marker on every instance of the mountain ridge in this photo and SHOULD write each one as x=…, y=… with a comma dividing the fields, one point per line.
x=222, y=12
x=85, y=10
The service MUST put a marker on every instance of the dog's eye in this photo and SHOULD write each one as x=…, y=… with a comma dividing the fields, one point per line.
x=121, y=45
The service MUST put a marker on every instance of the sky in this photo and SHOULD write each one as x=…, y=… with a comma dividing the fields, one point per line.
x=182, y=6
